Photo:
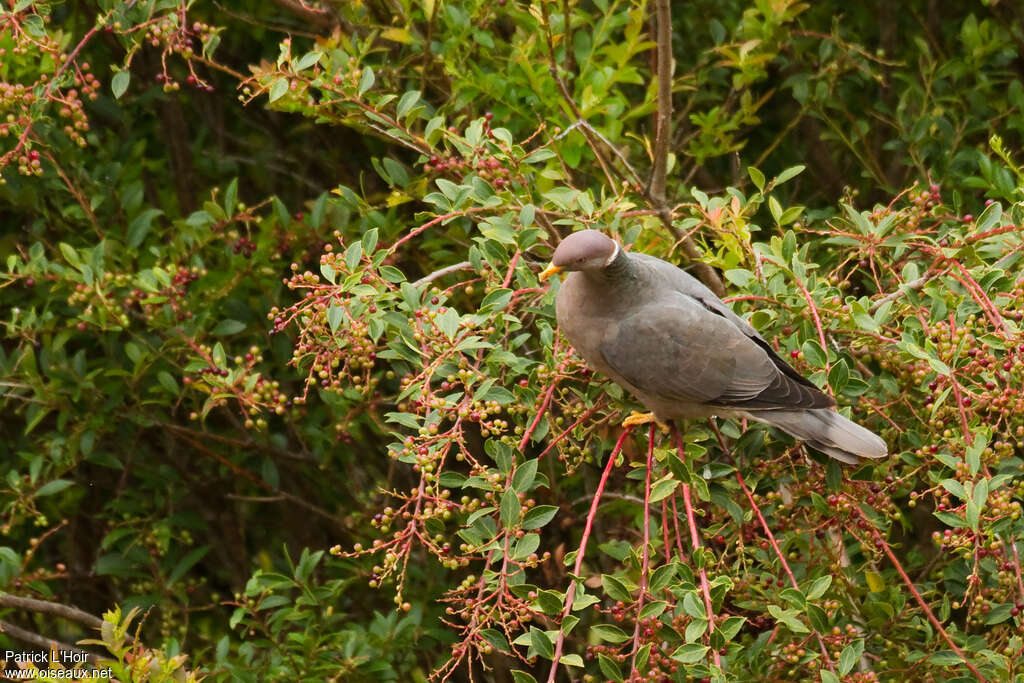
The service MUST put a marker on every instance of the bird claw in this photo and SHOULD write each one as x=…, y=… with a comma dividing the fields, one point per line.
x=636, y=418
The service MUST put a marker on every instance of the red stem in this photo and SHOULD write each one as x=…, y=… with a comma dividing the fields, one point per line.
x=429, y=224
x=695, y=542
x=570, y=594
x=645, y=562
x=543, y=406
x=879, y=541
x=782, y=559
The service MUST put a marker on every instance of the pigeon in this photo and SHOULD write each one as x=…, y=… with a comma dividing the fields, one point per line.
x=682, y=353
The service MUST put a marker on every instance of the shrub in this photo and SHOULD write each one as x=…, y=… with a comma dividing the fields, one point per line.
x=252, y=328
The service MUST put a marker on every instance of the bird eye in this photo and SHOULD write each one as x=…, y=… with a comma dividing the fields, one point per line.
x=581, y=259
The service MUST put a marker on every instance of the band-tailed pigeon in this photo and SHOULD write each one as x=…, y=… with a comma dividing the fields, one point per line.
x=667, y=339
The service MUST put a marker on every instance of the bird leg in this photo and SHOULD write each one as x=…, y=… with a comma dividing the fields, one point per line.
x=636, y=418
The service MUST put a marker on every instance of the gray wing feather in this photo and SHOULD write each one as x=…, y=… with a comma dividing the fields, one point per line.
x=679, y=351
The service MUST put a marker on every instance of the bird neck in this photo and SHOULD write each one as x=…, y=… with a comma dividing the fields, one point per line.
x=621, y=268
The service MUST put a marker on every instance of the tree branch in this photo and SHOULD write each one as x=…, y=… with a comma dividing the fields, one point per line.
x=447, y=270
x=663, y=135
x=53, y=608
x=42, y=642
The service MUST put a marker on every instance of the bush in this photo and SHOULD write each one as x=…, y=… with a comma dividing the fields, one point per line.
x=270, y=288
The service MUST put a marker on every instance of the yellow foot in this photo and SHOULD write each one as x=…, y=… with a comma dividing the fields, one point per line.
x=636, y=418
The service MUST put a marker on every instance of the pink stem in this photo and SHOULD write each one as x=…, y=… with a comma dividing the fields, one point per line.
x=879, y=541
x=645, y=562
x=695, y=542
x=570, y=594
x=782, y=559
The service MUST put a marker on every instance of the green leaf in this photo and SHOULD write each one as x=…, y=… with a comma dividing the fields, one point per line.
x=408, y=101
x=789, y=618
x=730, y=627
x=614, y=588
x=307, y=60
x=366, y=80
x=541, y=643
x=119, y=83
x=526, y=215
x=609, y=633
x=510, y=508
x=335, y=315
x=52, y=487
x=609, y=667
x=990, y=217
x=452, y=480
x=695, y=629
x=539, y=516
x=140, y=226
x=187, y=563
x=814, y=354
x=789, y=173
x=278, y=88
x=818, y=588
x=168, y=382
x=945, y=658
x=690, y=654
x=850, y=656
x=661, y=577
x=663, y=488
x=757, y=177
x=572, y=660
x=227, y=326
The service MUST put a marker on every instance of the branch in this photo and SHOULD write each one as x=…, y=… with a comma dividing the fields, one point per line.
x=913, y=284
x=447, y=270
x=570, y=594
x=53, y=608
x=695, y=544
x=663, y=136
x=663, y=117
x=313, y=15
x=43, y=642
x=880, y=542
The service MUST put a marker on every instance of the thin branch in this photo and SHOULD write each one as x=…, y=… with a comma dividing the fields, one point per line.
x=663, y=136
x=645, y=562
x=663, y=117
x=913, y=284
x=570, y=594
x=778, y=553
x=695, y=543
x=880, y=542
x=447, y=270
x=52, y=608
x=43, y=642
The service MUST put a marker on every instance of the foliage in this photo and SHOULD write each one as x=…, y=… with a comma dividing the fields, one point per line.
x=245, y=327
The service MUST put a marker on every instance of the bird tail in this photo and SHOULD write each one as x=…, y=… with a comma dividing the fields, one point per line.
x=828, y=432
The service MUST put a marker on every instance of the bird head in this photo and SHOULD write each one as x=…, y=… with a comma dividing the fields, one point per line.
x=587, y=250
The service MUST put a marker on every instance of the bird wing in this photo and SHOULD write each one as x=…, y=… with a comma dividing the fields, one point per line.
x=680, y=349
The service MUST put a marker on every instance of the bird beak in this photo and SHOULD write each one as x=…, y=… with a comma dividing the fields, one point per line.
x=552, y=269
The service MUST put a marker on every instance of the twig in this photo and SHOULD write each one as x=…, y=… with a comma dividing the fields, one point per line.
x=880, y=542
x=913, y=284
x=645, y=563
x=43, y=642
x=782, y=559
x=663, y=117
x=570, y=594
x=663, y=134
x=52, y=608
x=695, y=542
x=447, y=270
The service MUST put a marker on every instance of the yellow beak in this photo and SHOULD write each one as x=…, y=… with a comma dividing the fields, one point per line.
x=552, y=269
